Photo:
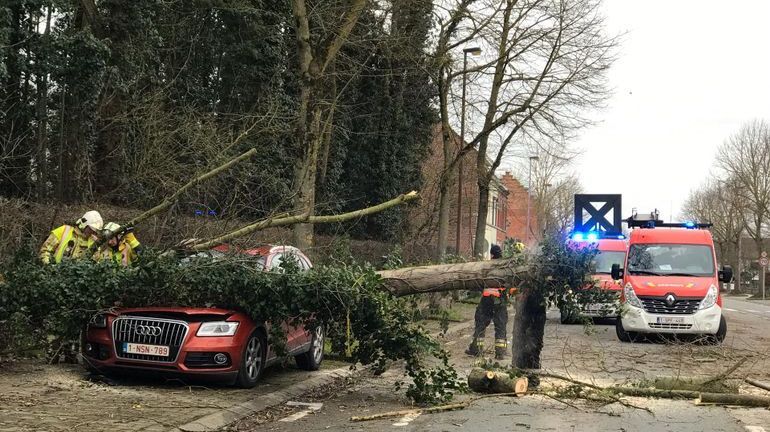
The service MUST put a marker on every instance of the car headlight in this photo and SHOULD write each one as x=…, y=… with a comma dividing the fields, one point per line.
x=710, y=299
x=630, y=295
x=98, y=321
x=217, y=328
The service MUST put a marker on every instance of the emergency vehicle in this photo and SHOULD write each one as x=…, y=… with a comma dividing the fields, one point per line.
x=670, y=281
x=611, y=249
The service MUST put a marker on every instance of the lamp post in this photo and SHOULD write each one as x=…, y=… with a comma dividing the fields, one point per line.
x=529, y=196
x=474, y=51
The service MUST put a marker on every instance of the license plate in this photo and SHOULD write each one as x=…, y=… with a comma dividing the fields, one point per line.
x=670, y=320
x=153, y=350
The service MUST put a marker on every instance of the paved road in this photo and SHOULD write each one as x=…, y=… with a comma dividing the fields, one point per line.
x=587, y=353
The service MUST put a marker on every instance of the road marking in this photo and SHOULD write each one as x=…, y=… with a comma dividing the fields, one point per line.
x=755, y=428
x=752, y=311
x=309, y=407
x=731, y=310
x=405, y=420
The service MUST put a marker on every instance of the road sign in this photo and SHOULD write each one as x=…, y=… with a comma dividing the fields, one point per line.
x=763, y=254
x=763, y=262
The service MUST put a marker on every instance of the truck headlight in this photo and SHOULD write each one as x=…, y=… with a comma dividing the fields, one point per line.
x=217, y=328
x=710, y=299
x=630, y=295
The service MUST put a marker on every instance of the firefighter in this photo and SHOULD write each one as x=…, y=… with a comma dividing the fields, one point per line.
x=122, y=248
x=72, y=241
x=492, y=307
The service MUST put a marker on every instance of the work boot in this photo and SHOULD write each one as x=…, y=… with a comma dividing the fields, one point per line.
x=500, y=353
x=474, y=349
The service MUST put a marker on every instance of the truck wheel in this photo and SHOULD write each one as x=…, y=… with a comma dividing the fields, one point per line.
x=253, y=360
x=311, y=360
x=623, y=335
x=719, y=337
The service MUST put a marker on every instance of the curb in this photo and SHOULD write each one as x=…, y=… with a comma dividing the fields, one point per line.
x=227, y=416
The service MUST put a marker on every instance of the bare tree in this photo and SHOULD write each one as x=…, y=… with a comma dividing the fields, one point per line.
x=317, y=49
x=745, y=158
x=559, y=199
x=551, y=183
x=551, y=57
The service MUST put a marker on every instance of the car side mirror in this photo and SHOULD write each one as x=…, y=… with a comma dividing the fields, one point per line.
x=617, y=272
x=726, y=274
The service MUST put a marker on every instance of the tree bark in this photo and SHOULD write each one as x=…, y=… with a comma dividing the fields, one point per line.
x=528, y=330
x=733, y=399
x=479, y=243
x=451, y=277
x=484, y=381
x=443, y=218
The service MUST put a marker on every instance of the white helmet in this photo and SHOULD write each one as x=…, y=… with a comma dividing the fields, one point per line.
x=91, y=219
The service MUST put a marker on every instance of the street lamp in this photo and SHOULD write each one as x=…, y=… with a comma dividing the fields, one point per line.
x=529, y=195
x=473, y=51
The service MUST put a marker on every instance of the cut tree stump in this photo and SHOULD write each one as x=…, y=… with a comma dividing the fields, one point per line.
x=733, y=399
x=486, y=381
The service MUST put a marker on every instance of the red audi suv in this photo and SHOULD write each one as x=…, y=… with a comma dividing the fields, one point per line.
x=221, y=344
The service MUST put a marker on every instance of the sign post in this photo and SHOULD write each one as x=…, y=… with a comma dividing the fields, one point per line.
x=762, y=270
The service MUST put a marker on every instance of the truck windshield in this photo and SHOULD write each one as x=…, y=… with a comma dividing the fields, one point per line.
x=605, y=259
x=671, y=260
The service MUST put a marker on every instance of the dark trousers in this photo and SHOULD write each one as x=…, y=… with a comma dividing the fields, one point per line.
x=491, y=309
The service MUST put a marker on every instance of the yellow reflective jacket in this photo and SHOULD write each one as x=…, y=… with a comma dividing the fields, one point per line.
x=64, y=241
x=124, y=254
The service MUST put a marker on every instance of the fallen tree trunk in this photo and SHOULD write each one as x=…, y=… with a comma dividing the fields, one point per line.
x=486, y=381
x=759, y=384
x=451, y=277
x=708, y=385
x=733, y=399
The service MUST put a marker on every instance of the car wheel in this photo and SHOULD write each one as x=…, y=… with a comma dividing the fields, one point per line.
x=311, y=360
x=622, y=334
x=719, y=337
x=566, y=317
x=252, y=360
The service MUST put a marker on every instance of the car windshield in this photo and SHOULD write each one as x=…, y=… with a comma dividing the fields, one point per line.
x=671, y=260
x=605, y=259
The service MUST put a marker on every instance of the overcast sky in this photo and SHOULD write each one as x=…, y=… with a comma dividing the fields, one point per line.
x=689, y=74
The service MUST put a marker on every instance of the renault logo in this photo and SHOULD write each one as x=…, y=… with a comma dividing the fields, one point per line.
x=670, y=299
x=147, y=330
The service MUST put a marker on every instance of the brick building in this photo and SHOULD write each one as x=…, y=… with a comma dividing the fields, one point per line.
x=506, y=217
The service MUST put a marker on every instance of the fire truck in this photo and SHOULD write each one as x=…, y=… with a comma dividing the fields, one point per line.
x=670, y=281
x=610, y=249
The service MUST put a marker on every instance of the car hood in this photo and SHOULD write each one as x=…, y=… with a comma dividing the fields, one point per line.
x=681, y=286
x=189, y=311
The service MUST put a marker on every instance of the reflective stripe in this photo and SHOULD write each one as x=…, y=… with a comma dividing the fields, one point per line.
x=491, y=292
x=63, y=241
x=501, y=343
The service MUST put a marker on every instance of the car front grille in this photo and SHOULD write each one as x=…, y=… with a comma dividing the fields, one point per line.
x=172, y=334
x=670, y=326
x=658, y=305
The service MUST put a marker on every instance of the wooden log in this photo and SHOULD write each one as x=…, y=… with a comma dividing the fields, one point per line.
x=401, y=413
x=452, y=277
x=486, y=381
x=708, y=385
x=759, y=384
x=658, y=393
x=733, y=399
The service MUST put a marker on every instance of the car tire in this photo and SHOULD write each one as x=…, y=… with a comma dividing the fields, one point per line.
x=312, y=358
x=253, y=360
x=721, y=333
x=623, y=335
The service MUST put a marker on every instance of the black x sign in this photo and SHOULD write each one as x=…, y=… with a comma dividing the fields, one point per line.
x=598, y=217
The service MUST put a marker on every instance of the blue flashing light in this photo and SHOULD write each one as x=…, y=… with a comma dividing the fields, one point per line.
x=577, y=237
x=621, y=237
x=689, y=224
x=592, y=237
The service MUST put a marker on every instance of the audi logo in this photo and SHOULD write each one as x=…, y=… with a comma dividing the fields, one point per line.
x=148, y=330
